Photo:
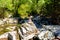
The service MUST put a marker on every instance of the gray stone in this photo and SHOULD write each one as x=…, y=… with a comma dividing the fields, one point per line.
x=45, y=35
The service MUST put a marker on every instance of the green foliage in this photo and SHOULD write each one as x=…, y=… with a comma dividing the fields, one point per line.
x=7, y=4
x=24, y=10
x=40, y=4
x=24, y=7
x=48, y=9
x=6, y=7
x=3, y=3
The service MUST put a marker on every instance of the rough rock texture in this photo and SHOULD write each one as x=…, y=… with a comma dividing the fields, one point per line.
x=9, y=36
x=46, y=35
x=8, y=21
x=28, y=30
x=8, y=26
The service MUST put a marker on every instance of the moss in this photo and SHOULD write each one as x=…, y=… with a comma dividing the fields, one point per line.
x=4, y=30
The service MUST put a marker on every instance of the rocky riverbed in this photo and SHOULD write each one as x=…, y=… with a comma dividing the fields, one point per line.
x=46, y=32
x=32, y=29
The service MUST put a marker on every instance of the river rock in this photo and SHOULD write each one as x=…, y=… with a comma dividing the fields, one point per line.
x=45, y=35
